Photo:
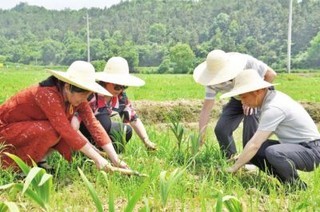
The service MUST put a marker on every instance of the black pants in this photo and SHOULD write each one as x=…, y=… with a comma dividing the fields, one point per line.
x=231, y=117
x=119, y=133
x=283, y=160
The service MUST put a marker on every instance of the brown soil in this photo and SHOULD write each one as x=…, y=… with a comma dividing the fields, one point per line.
x=189, y=110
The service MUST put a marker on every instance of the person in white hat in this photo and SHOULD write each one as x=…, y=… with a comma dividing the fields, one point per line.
x=216, y=74
x=298, y=145
x=116, y=78
x=38, y=119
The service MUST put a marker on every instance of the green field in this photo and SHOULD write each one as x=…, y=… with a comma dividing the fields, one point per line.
x=300, y=86
x=180, y=177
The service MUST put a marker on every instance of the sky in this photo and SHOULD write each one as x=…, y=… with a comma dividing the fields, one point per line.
x=60, y=4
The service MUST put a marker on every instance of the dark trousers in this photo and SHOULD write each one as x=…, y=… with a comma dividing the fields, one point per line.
x=118, y=132
x=283, y=160
x=231, y=117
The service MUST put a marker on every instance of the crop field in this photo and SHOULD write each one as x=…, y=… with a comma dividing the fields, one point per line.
x=180, y=175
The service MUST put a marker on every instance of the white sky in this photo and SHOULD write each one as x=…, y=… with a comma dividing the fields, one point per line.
x=60, y=4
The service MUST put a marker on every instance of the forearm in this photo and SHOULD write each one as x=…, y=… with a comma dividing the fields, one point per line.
x=90, y=152
x=248, y=153
x=251, y=149
x=205, y=116
x=112, y=155
x=139, y=128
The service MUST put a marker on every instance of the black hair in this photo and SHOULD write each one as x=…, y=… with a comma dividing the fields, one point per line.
x=77, y=89
x=103, y=84
x=53, y=81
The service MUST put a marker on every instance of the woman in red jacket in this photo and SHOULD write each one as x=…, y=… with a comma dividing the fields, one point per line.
x=37, y=119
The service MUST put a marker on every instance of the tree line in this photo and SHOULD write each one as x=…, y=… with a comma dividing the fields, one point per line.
x=169, y=36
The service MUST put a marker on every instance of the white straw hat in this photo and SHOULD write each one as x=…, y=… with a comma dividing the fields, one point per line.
x=219, y=67
x=82, y=75
x=117, y=71
x=248, y=80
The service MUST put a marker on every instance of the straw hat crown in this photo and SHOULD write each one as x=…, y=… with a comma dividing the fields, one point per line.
x=117, y=71
x=219, y=67
x=82, y=75
x=248, y=80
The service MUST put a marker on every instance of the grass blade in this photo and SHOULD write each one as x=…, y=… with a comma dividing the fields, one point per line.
x=29, y=179
x=23, y=166
x=11, y=206
x=133, y=201
x=32, y=195
x=3, y=187
x=92, y=191
x=232, y=203
x=111, y=194
x=45, y=186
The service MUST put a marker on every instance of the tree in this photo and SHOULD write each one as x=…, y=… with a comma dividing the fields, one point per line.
x=157, y=33
x=182, y=58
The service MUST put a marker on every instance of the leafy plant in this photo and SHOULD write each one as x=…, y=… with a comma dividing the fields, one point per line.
x=178, y=130
x=131, y=202
x=92, y=191
x=230, y=202
x=194, y=144
x=11, y=206
x=37, y=185
x=119, y=138
x=166, y=183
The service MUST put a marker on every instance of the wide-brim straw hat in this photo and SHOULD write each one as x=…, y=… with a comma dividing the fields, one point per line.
x=248, y=80
x=81, y=74
x=116, y=71
x=219, y=67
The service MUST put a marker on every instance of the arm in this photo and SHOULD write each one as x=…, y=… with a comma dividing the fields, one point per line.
x=205, y=117
x=270, y=75
x=109, y=149
x=250, y=150
x=139, y=128
x=89, y=151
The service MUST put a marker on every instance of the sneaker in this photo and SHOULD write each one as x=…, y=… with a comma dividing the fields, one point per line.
x=250, y=167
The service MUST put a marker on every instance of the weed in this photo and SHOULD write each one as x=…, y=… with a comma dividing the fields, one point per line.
x=167, y=182
x=37, y=185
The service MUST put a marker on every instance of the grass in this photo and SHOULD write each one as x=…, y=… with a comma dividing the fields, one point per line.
x=300, y=86
x=178, y=180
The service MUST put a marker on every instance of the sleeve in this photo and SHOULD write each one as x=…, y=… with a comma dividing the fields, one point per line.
x=51, y=103
x=253, y=63
x=96, y=130
x=270, y=119
x=210, y=92
x=126, y=111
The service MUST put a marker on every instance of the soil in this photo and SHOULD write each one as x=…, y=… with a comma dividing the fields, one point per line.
x=155, y=112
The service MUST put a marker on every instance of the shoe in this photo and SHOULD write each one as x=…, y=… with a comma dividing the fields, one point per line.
x=46, y=166
x=250, y=167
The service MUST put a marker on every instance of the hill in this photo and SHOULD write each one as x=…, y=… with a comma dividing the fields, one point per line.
x=144, y=31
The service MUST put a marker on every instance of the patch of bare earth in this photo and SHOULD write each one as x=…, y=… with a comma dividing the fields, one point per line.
x=155, y=112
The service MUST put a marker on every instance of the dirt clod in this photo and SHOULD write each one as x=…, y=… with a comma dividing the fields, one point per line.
x=188, y=110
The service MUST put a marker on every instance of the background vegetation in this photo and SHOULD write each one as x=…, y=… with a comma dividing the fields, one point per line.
x=172, y=36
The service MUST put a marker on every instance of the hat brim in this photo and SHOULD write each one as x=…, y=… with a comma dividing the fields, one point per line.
x=246, y=89
x=120, y=79
x=89, y=86
x=203, y=76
